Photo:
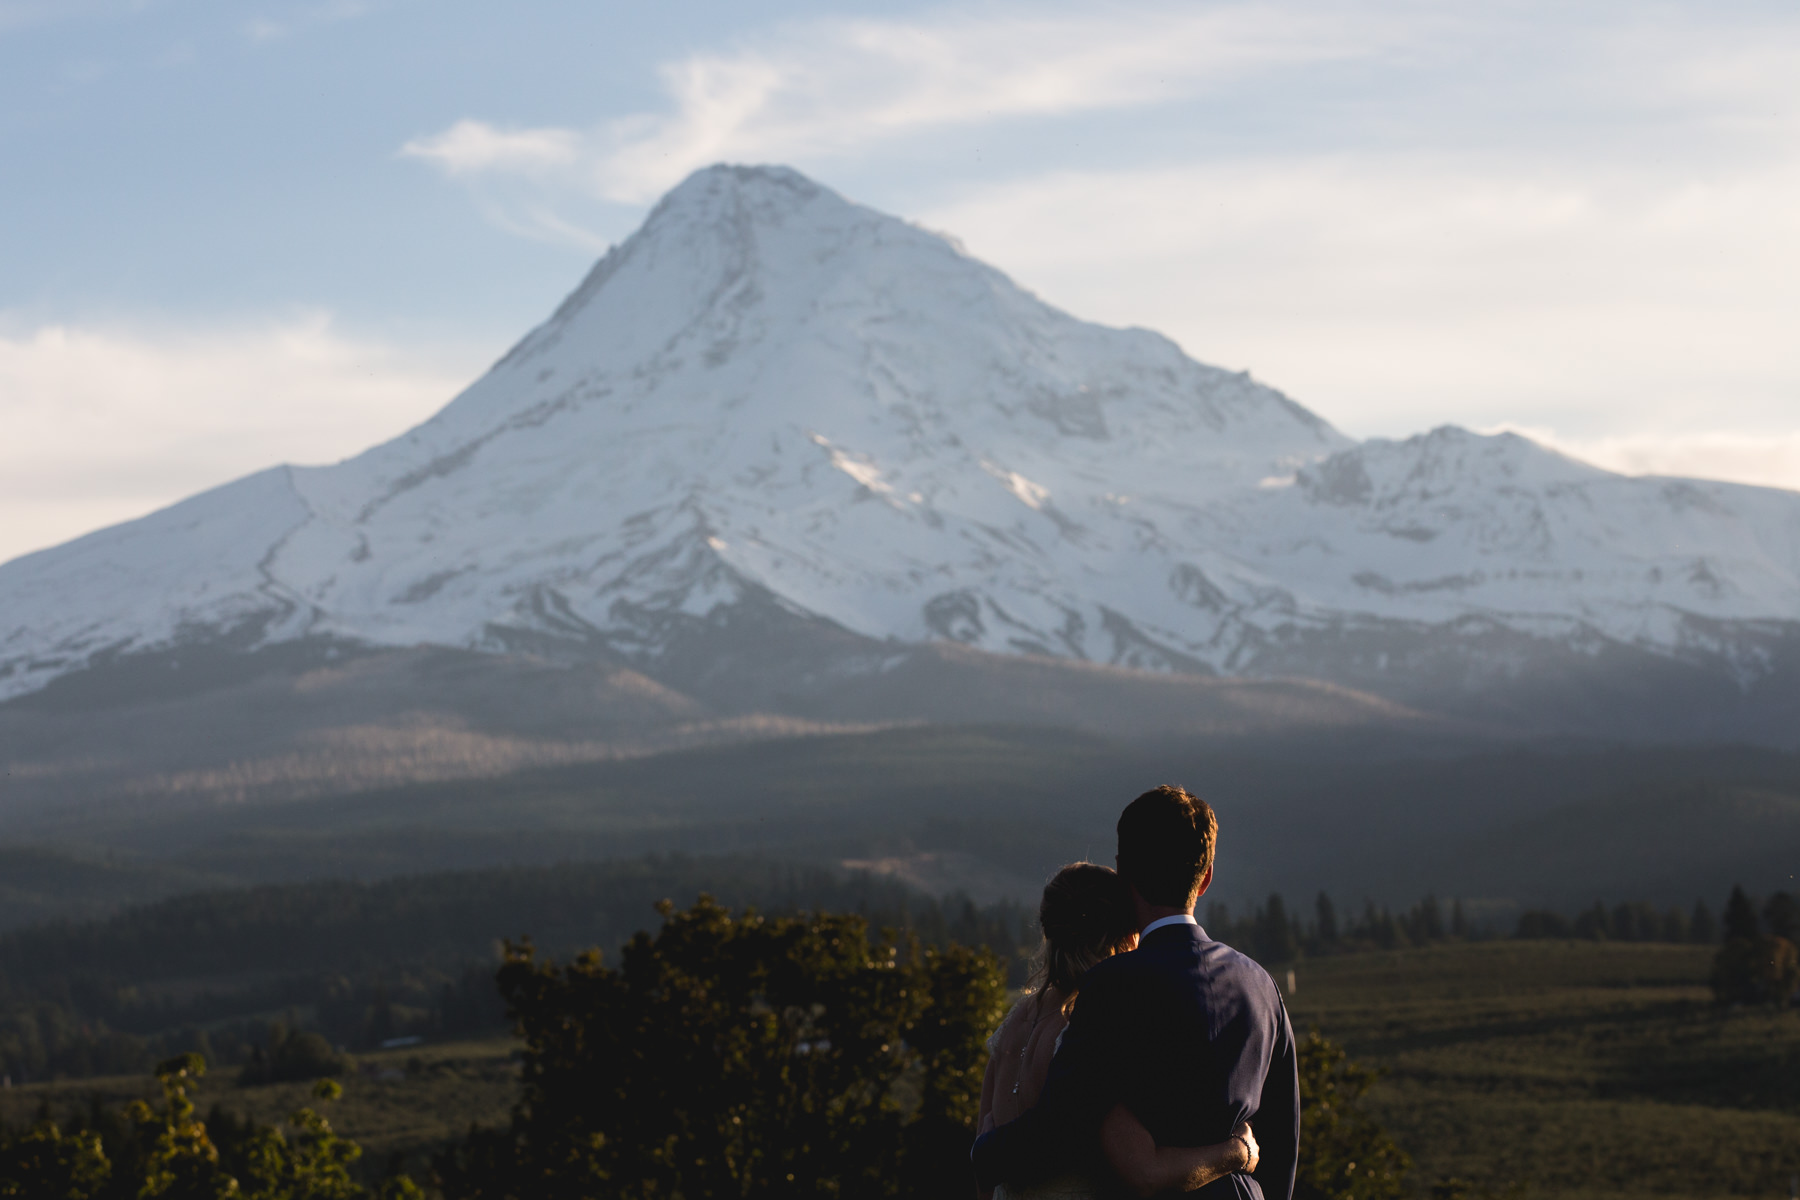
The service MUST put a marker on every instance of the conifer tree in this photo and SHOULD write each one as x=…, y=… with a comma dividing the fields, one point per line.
x=1328, y=922
x=1431, y=920
x=1275, y=940
x=1740, y=916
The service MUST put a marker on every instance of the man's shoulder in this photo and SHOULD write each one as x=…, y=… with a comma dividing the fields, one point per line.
x=1168, y=955
x=1229, y=958
x=1243, y=971
x=1221, y=966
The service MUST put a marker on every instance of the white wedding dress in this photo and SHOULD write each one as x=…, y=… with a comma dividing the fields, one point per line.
x=1015, y=1036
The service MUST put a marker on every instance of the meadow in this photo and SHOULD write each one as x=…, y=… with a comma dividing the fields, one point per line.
x=1566, y=1069
x=1571, y=1070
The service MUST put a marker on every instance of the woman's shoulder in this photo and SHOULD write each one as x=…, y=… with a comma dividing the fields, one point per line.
x=1009, y=1028
x=1025, y=1020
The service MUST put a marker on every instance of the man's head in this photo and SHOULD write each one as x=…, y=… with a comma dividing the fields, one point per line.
x=1166, y=839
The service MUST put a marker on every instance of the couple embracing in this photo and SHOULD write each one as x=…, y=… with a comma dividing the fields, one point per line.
x=1149, y=1058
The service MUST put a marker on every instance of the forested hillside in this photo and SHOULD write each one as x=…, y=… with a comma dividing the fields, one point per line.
x=224, y=972
x=1504, y=827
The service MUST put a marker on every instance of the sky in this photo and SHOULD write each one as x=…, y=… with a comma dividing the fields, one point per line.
x=241, y=232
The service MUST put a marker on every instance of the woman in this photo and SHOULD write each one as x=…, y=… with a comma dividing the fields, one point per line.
x=1086, y=916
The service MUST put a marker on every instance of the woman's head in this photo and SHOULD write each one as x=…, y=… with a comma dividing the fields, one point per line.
x=1086, y=916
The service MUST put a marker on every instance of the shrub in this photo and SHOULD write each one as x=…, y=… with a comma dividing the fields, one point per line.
x=1344, y=1153
x=741, y=1057
x=166, y=1151
x=1759, y=970
x=291, y=1058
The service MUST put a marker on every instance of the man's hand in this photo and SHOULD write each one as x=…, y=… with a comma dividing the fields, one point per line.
x=1251, y=1151
x=1151, y=1170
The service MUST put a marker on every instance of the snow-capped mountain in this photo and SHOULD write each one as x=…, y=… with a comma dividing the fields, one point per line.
x=772, y=401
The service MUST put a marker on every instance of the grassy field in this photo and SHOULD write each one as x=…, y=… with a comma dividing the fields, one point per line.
x=396, y=1102
x=1559, y=1070
x=1565, y=1069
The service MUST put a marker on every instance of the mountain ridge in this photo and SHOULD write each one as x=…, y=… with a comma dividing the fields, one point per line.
x=774, y=440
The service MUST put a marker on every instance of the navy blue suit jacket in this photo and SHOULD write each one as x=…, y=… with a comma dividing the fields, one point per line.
x=1193, y=1038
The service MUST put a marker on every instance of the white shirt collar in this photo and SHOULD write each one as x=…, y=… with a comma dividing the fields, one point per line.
x=1178, y=919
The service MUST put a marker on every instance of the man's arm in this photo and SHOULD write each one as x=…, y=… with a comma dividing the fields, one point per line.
x=1278, y=1116
x=1081, y=1089
x=1149, y=1170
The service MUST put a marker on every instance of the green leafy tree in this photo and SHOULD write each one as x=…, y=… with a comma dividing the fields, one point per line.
x=180, y=1162
x=966, y=999
x=166, y=1153
x=44, y=1163
x=313, y=1165
x=738, y=1056
x=1344, y=1152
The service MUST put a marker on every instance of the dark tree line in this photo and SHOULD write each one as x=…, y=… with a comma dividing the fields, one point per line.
x=360, y=964
x=1633, y=922
x=1272, y=932
x=370, y=962
x=1759, y=963
x=1758, y=958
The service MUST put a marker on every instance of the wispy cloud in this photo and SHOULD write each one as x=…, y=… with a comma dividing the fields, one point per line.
x=1392, y=292
x=473, y=147
x=103, y=425
x=276, y=24
x=835, y=86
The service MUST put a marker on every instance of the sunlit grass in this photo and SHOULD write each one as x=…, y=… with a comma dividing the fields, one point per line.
x=1568, y=1069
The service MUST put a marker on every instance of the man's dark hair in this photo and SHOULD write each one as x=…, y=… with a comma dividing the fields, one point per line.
x=1166, y=839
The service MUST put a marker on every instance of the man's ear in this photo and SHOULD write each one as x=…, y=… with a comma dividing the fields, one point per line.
x=1205, y=882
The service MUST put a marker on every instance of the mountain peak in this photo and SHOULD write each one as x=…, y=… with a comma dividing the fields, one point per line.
x=705, y=193
x=726, y=239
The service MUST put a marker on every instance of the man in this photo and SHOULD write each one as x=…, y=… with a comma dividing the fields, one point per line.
x=1187, y=1033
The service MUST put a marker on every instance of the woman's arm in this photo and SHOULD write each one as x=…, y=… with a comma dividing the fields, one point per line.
x=985, y=1121
x=1148, y=1169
